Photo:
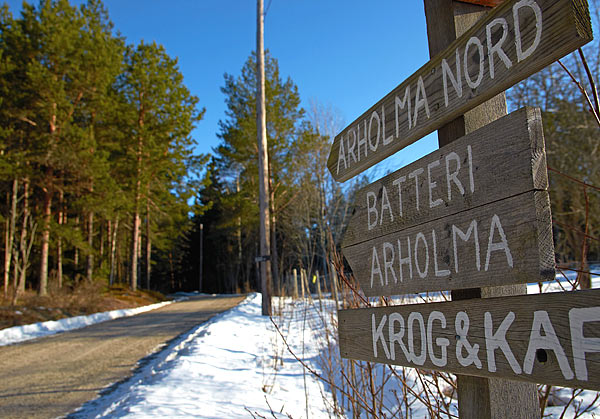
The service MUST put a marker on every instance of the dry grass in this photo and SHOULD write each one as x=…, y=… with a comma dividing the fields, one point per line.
x=85, y=298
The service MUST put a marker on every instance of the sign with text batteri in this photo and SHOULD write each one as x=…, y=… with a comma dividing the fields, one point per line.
x=515, y=40
x=547, y=338
x=474, y=213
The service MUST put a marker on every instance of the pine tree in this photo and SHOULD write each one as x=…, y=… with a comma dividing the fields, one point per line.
x=237, y=154
x=160, y=116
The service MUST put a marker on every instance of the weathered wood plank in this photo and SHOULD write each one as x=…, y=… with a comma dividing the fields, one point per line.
x=500, y=160
x=478, y=397
x=546, y=338
x=436, y=93
x=502, y=243
x=487, y=3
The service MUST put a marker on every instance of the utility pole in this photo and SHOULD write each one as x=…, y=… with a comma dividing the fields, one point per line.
x=263, y=166
x=201, y=258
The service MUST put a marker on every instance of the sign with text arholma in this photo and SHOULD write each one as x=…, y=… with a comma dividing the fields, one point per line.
x=515, y=40
x=474, y=213
x=546, y=338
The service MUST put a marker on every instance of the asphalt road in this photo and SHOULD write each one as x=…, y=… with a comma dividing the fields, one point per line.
x=52, y=376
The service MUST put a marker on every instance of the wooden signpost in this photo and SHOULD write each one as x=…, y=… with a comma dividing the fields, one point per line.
x=474, y=212
x=517, y=39
x=545, y=338
x=472, y=217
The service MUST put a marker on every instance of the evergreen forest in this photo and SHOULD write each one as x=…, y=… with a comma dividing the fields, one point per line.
x=100, y=180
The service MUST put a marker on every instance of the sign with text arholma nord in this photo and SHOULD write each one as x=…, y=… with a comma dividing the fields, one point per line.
x=474, y=213
x=546, y=338
x=515, y=40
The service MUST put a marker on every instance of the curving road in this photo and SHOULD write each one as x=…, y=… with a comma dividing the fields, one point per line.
x=52, y=376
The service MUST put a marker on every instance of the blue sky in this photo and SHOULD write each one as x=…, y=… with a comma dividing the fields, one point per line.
x=343, y=54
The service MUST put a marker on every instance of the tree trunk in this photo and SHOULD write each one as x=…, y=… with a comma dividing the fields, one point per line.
x=43, y=285
x=47, y=189
x=10, y=234
x=274, y=253
x=113, y=249
x=20, y=267
x=323, y=227
x=101, y=250
x=6, y=253
x=23, y=239
x=238, y=236
x=148, y=245
x=76, y=256
x=139, y=255
x=201, y=258
x=135, y=234
x=110, y=259
x=59, y=261
x=584, y=278
x=171, y=273
x=89, y=272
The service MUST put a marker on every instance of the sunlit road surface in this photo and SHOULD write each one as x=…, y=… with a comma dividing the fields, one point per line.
x=52, y=376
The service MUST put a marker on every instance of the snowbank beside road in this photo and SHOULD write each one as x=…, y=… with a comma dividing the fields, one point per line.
x=36, y=330
x=235, y=365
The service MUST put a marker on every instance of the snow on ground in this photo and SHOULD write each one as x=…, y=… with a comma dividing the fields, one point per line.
x=36, y=330
x=564, y=281
x=235, y=365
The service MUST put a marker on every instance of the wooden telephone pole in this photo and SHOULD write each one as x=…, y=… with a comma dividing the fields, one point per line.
x=263, y=166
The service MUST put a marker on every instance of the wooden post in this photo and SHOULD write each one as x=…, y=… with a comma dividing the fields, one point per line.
x=295, y=276
x=334, y=285
x=277, y=285
x=477, y=397
x=319, y=293
x=318, y=284
x=307, y=285
x=263, y=165
x=302, y=276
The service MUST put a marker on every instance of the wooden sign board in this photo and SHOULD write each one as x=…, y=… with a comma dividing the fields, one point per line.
x=473, y=213
x=517, y=39
x=546, y=338
x=488, y=3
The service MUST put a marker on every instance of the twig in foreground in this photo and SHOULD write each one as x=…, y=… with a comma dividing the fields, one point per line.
x=309, y=369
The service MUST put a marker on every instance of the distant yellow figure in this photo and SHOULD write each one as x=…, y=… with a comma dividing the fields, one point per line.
x=314, y=279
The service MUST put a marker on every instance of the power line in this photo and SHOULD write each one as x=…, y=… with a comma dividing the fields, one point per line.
x=267, y=9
